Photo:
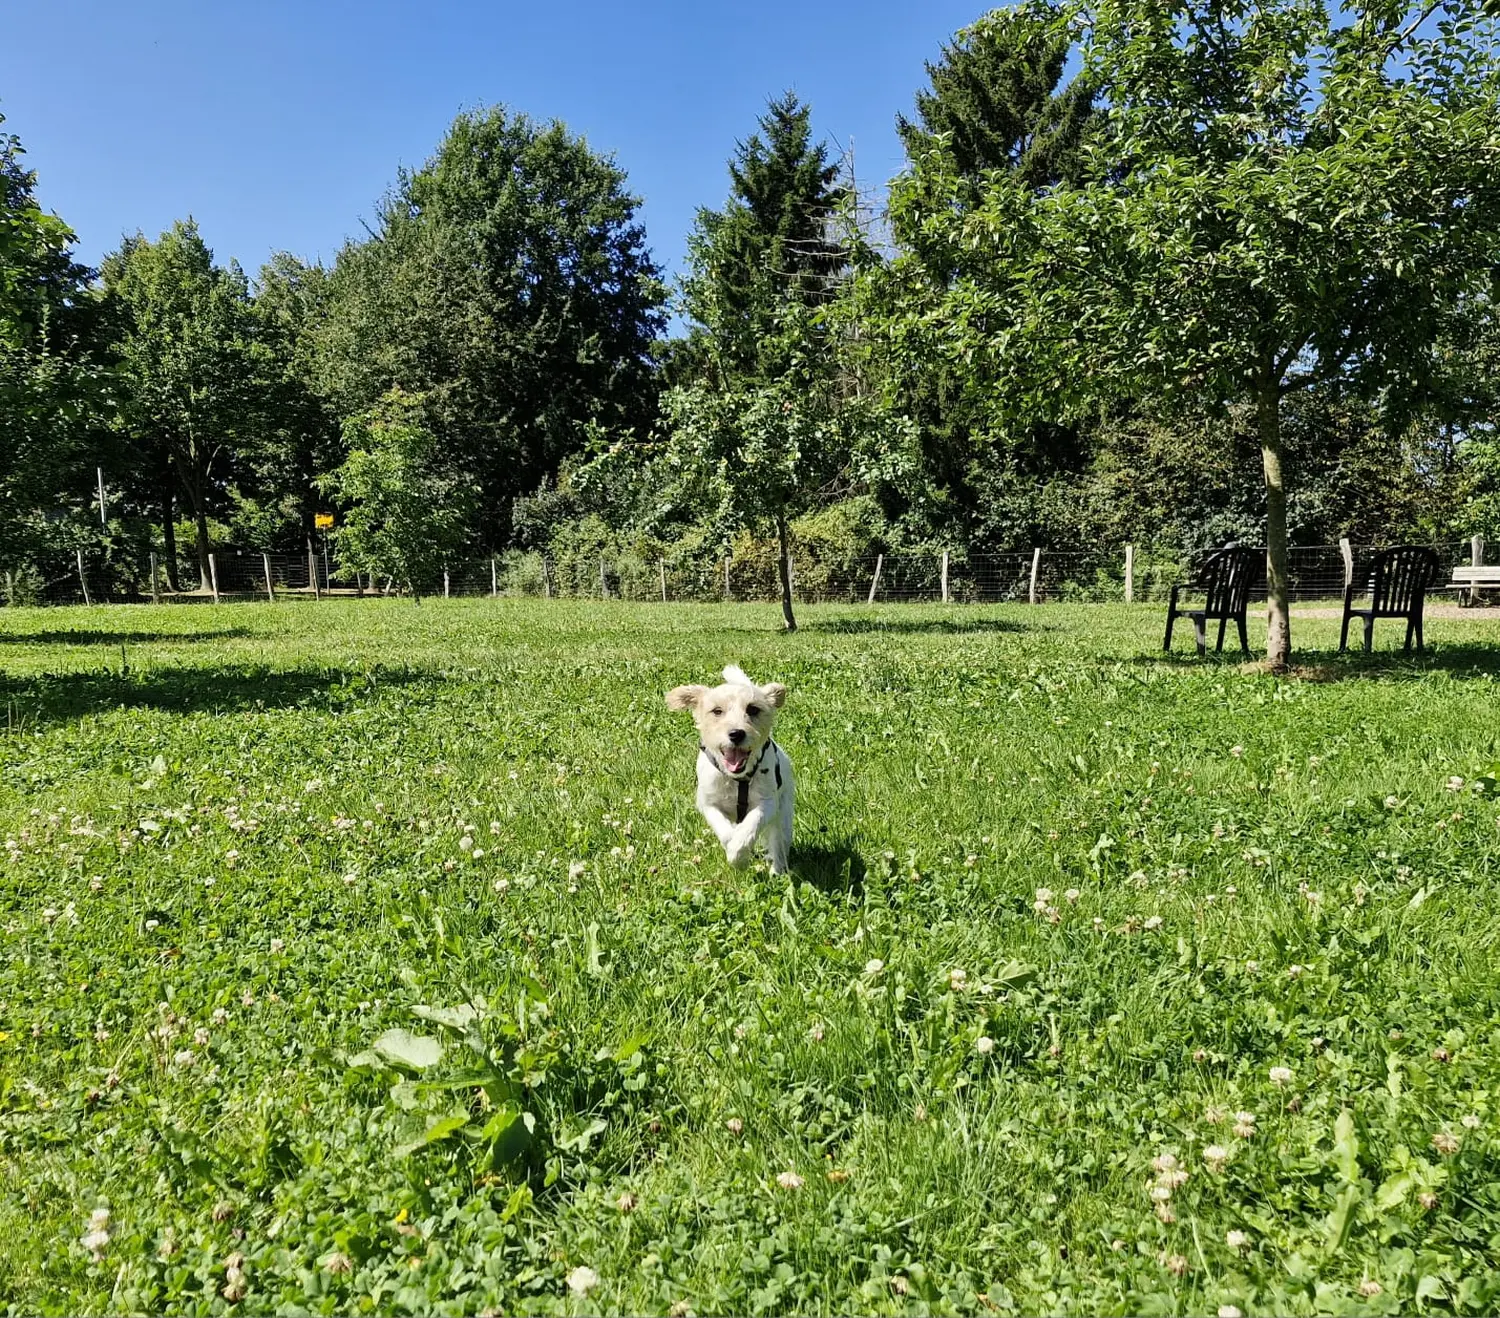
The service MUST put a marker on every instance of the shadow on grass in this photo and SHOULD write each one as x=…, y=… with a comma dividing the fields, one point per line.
x=1457, y=659
x=30, y=701
x=831, y=865
x=902, y=626
x=94, y=637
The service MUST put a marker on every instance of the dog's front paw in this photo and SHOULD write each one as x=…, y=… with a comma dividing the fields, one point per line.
x=738, y=853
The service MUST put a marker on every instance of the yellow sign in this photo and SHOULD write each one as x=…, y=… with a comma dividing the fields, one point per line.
x=322, y=520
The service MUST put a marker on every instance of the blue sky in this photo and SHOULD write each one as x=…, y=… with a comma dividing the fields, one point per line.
x=278, y=125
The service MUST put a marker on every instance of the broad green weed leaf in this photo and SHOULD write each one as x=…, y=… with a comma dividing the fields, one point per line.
x=403, y=1048
x=440, y=1129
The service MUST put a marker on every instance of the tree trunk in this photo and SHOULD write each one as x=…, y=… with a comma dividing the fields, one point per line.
x=205, y=578
x=784, y=536
x=169, y=527
x=1278, y=611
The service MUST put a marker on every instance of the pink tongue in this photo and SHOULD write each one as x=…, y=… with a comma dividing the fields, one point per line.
x=734, y=761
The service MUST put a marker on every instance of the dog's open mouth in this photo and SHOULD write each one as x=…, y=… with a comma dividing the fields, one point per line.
x=735, y=759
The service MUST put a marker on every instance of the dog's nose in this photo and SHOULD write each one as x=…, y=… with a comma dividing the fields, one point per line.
x=737, y=736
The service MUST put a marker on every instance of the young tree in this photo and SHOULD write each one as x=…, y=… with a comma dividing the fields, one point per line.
x=407, y=512
x=775, y=243
x=188, y=361
x=1309, y=190
x=508, y=282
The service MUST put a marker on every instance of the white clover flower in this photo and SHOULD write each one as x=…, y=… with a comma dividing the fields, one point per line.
x=874, y=966
x=277, y=946
x=1455, y=784
x=1237, y=751
x=1072, y=895
x=789, y=1180
x=734, y=1125
x=1215, y=1155
x=958, y=980
x=1229, y=1311
x=1470, y=1121
x=576, y=869
x=984, y=1045
x=185, y=1057
x=1236, y=1239
x=1153, y=922
x=1281, y=1075
x=582, y=1280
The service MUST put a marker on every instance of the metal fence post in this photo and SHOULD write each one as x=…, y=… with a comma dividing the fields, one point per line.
x=1036, y=563
x=726, y=578
x=603, y=580
x=312, y=571
x=270, y=590
x=945, y=576
x=1130, y=574
x=155, y=598
x=662, y=569
x=546, y=580
x=83, y=580
x=494, y=579
x=445, y=581
x=213, y=575
x=875, y=580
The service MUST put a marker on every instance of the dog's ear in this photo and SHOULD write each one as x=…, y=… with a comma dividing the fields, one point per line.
x=775, y=694
x=685, y=697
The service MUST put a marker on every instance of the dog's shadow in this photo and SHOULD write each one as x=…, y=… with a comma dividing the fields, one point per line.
x=831, y=865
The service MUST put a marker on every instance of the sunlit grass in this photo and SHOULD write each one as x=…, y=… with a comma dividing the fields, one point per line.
x=1060, y=908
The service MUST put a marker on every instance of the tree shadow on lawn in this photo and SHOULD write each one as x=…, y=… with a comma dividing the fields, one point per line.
x=902, y=626
x=831, y=865
x=45, y=698
x=93, y=637
x=1457, y=659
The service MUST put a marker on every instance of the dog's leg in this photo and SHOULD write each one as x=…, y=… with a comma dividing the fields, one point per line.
x=722, y=825
x=779, y=844
x=740, y=846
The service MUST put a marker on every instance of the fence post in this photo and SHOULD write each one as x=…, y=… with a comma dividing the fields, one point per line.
x=603, y=580
x=213, y=575
x=945, y=576
x=1347, y=551
x=312, y=571
x=83, y=580
x=875, y=580
x=494, y=579
x=546, y=580
x=662, y=569
x=1130, y=574
x=1476, y=551
x=155, y=598
x=270, y=590
x=445, y=581
x=1036, y=563
x=726, y=578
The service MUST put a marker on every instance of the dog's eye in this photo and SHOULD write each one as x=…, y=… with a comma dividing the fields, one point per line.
x=718, y=713
x=753, y=710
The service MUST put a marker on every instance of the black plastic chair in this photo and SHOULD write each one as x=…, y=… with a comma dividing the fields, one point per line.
x=1399, y=579
x=1225, y=578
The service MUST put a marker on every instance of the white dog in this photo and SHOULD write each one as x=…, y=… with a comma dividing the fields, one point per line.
x=745, y=786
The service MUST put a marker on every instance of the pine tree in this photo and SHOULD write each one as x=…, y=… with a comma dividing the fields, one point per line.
x=995, y=103
x=774, y=243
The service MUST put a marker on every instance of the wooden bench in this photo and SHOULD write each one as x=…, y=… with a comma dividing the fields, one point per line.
x=1471, y=580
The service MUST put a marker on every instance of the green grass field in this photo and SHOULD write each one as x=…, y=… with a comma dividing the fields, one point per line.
x=363, y=957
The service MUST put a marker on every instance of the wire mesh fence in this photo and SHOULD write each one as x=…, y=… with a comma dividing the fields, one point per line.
x=1138, y=573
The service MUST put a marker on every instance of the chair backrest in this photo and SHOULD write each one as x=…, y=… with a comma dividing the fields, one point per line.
x=1399, y=577
x=1227, y=576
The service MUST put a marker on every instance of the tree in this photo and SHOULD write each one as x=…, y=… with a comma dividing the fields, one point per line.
x=296, y=437
x=188, y=360
x=50, y=390
x=1308, y=194
x=408, y=512
x=508, y=284
x=763, y=453
x=1001, y=97
x=775, y=243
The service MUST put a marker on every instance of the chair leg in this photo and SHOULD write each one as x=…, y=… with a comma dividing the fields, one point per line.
x=1369, y=633
x=1344, y=633
x=1219, y=648
x=1171, y=618
x=1201, y=636
x=1411, y=625
x=1244, y=638
x=1418, y=621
